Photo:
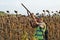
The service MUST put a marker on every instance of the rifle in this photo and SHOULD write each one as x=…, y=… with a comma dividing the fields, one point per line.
x=31, y=22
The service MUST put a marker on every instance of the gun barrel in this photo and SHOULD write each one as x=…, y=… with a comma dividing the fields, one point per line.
x=25, y=8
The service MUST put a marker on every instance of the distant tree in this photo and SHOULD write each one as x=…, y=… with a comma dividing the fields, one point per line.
x=52, y=12
x=57, y=11
x=2, y=13
x=47, y=11
x=15, y=12
x=43, y=10
x=7, y=11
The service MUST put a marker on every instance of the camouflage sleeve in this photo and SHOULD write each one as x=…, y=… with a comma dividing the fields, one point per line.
x=44, y=29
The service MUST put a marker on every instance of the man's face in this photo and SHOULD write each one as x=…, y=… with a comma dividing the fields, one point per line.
x=39, y=20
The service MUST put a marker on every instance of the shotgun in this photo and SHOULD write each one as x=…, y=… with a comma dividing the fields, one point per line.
x=31, y=22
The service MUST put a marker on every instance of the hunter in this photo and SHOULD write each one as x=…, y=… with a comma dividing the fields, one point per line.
x=39, y=29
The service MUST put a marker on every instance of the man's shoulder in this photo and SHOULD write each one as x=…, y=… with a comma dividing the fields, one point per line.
x=43, y=23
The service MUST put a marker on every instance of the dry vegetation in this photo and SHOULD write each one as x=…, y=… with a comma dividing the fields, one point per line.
x=19, y=27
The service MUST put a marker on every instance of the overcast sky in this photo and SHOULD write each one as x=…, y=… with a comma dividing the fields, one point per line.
x=33, y=5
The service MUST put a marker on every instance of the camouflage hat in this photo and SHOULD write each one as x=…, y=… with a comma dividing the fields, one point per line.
x=38, y=16
x=41, y=18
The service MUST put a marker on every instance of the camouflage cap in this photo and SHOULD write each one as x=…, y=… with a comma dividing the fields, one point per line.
x=39, y=18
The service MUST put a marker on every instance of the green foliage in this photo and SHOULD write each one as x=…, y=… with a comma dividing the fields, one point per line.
x=2, y=13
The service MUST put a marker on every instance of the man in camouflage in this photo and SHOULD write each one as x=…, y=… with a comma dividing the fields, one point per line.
x=39, y=29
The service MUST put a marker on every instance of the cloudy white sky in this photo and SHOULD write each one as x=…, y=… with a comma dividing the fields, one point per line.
x=33, y=5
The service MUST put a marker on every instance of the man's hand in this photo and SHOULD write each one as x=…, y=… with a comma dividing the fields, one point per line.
x=32, y=14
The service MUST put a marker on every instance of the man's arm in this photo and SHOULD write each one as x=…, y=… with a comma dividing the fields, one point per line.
x=34, y=18
x=44, y=27
x=41, y=25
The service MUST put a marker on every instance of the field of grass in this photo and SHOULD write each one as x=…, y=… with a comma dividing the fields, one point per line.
x=18, y=27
